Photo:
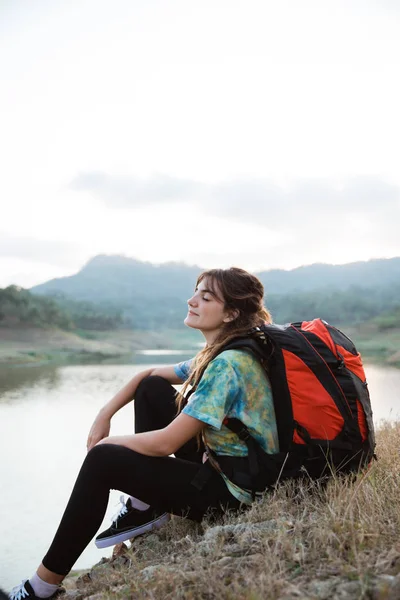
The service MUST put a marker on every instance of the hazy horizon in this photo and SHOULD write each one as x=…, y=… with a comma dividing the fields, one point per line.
x=200, y=267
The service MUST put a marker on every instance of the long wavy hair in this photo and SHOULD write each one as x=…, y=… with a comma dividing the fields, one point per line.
x=241, y=292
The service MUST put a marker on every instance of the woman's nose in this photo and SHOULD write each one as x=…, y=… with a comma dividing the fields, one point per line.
x=192, y=301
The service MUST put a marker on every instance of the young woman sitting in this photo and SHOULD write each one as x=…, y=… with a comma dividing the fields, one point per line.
x=231, y=383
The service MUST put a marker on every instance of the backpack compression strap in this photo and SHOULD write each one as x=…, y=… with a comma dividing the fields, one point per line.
x=243, y=433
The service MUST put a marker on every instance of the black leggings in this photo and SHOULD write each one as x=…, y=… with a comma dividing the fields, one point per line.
x=162, y=482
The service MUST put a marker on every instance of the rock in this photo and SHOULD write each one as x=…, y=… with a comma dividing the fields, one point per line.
x=99, y=572
x=70, y=582
x=236, y=550
x=119, y=549
x=236, y=560
x=292, y=592
x=335, y=588
x=389, y=563
x=323, y=589
x=148, y=572
x=83, y=580
x=381, y=587
x=394, y=590
x=73, y=595
x=348, y=590
x=121, y=561
x=151, y=539
x=205, y=548
x=246, y=531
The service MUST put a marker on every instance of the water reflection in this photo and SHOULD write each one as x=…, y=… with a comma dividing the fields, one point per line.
x=147, y=357
x=19, y=377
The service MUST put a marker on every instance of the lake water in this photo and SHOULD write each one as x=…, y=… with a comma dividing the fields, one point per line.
x=45, y=416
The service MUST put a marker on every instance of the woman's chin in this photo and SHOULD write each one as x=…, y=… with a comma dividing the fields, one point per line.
x=189, y=323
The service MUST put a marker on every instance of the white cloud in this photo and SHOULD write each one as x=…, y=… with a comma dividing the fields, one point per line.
x=130, y=192
x=282, y=206
x=279, y=101
x=51, y=252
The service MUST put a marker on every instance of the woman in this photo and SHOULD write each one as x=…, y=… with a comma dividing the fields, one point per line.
x=226, y=304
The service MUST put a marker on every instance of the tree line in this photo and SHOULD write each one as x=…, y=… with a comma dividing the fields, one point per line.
x=18, y=307
x=353, y=306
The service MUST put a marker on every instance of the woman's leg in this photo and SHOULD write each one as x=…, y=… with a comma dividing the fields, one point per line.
x=164, y=483
x=154, y=404
x=155, y=408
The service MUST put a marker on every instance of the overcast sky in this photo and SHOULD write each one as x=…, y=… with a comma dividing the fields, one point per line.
x=259, y=133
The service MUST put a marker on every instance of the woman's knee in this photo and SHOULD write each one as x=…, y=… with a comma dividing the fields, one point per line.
x=103, y=461
x=152, y=386
x=98, y=455
x=103, y=458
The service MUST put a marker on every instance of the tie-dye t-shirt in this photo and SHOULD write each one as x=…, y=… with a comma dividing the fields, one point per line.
x=233, y=385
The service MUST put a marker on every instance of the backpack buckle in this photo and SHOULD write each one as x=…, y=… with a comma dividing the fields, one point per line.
x=244, y=434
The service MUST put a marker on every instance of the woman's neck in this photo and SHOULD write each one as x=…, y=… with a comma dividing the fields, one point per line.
x=210, y=337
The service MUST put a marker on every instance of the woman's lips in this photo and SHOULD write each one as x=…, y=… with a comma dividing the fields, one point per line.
x=190, y=312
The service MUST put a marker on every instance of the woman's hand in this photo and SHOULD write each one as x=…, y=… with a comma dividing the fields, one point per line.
x=98, y=431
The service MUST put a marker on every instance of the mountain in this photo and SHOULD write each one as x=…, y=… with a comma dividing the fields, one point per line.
x=147, y=296
x=375, y=273
x=118, y=279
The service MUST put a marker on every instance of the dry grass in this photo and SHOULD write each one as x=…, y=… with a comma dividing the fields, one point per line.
x=298, y=540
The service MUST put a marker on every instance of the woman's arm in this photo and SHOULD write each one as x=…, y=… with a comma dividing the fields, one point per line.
x=161, y=442
x=101, y=425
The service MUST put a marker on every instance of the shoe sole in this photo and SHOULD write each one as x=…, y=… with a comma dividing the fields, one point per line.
x=111, y=540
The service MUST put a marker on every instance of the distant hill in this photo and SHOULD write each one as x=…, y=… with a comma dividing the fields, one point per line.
x=118, y=278
x=375, y=273
x=147, y=296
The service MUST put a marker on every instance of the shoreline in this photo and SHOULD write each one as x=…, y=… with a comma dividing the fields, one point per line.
x=38, y=347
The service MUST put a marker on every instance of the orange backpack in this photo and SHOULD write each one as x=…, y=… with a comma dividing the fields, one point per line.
x=321, y=401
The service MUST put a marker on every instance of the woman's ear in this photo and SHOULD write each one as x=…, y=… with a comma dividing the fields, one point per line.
x=233, y=314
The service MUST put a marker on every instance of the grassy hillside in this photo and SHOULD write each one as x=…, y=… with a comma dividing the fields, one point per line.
x=348, y=307
x=21, y=308
x=379, y=339
x=304, y=541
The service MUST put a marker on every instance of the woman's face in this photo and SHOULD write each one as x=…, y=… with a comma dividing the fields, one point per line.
x=207, y=311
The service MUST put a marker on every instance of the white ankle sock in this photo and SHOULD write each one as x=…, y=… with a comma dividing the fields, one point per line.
x=41, y=588
x=138, y=504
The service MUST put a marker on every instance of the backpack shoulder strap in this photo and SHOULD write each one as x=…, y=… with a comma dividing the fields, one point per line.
x=246, y=344
x=258, y=341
